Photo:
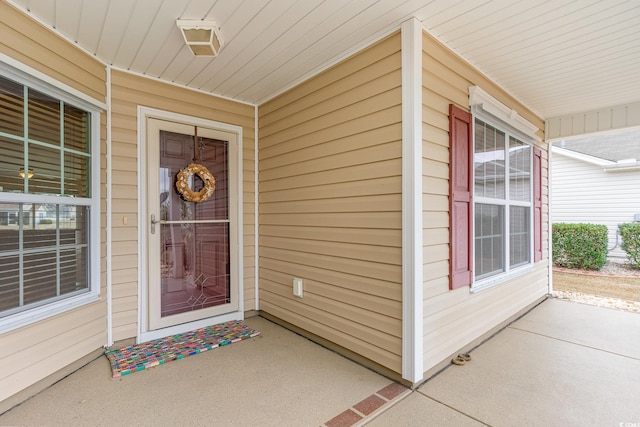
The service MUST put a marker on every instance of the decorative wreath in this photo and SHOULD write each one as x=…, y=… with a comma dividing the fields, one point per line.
x=182, y=184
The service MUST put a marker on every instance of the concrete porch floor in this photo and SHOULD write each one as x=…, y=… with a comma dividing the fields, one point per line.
x=561, y=364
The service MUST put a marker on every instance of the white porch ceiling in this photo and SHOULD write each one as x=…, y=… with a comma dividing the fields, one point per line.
x=558, y=57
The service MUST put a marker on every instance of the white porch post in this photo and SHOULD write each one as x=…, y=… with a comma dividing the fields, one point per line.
x=412, y=339
x=549, y=207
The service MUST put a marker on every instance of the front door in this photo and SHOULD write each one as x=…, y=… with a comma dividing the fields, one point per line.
x=191, y=260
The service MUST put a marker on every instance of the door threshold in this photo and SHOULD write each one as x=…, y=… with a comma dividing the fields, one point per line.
x=190, y=326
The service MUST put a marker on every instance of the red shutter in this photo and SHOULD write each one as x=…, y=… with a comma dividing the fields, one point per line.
x=460, y=198
x=537, y=204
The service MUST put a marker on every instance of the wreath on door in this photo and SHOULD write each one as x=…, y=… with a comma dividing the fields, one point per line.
x=182, y=183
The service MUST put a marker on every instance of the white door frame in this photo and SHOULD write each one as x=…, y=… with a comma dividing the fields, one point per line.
x=144, y=334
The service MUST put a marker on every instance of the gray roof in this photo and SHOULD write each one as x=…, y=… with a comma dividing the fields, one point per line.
x=614, y=147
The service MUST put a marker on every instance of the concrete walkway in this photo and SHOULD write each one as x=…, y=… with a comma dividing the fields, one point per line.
x=561, y=364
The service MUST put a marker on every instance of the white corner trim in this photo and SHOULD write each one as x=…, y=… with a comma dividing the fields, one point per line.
x=109, y=224
x=412, y=313
x=239, y=216
x=549, y=220
x=256, y=230
x=488, y=103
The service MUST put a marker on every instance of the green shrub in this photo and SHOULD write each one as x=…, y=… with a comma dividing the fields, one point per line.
x=45, y=221
x=582, y=246
x=630, y=234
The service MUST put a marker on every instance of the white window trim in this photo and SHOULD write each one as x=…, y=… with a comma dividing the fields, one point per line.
x=20, y=73
x=479, y=112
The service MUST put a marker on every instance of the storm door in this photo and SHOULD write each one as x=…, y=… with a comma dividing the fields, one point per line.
x=191, y=224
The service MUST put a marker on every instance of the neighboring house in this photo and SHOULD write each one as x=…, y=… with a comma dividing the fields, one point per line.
x=596, y=180
x=45, y=214
x=9, y=215
x=364, y=191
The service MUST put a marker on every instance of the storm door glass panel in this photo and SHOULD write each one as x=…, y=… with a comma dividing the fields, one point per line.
x=194, y=237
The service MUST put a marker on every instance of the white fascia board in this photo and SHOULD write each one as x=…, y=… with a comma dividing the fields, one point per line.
x=583, y=157
x=622, y=167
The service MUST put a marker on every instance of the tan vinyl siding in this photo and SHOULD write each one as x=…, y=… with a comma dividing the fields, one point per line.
x=330, y=204
x=33, y=352
x=128, y=92
x=453, y=319
x=62, y=341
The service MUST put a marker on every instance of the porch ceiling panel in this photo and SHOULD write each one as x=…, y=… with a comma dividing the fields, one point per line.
x=557, y=57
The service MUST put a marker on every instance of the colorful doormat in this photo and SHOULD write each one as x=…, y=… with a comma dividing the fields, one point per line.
x=143, y=356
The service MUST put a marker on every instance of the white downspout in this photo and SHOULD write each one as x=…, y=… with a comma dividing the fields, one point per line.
x=256, y=250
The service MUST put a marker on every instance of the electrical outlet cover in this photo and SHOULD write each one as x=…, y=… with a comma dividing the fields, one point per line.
x=297, y=287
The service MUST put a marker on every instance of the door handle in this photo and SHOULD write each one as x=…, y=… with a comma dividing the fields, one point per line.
x=153, y=223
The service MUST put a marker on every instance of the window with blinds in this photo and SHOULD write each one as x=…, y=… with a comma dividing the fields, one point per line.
x=45, y=198
x=503, y=201
x=495, y=197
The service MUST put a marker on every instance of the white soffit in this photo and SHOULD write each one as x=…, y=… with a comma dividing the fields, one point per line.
x=558, y=58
